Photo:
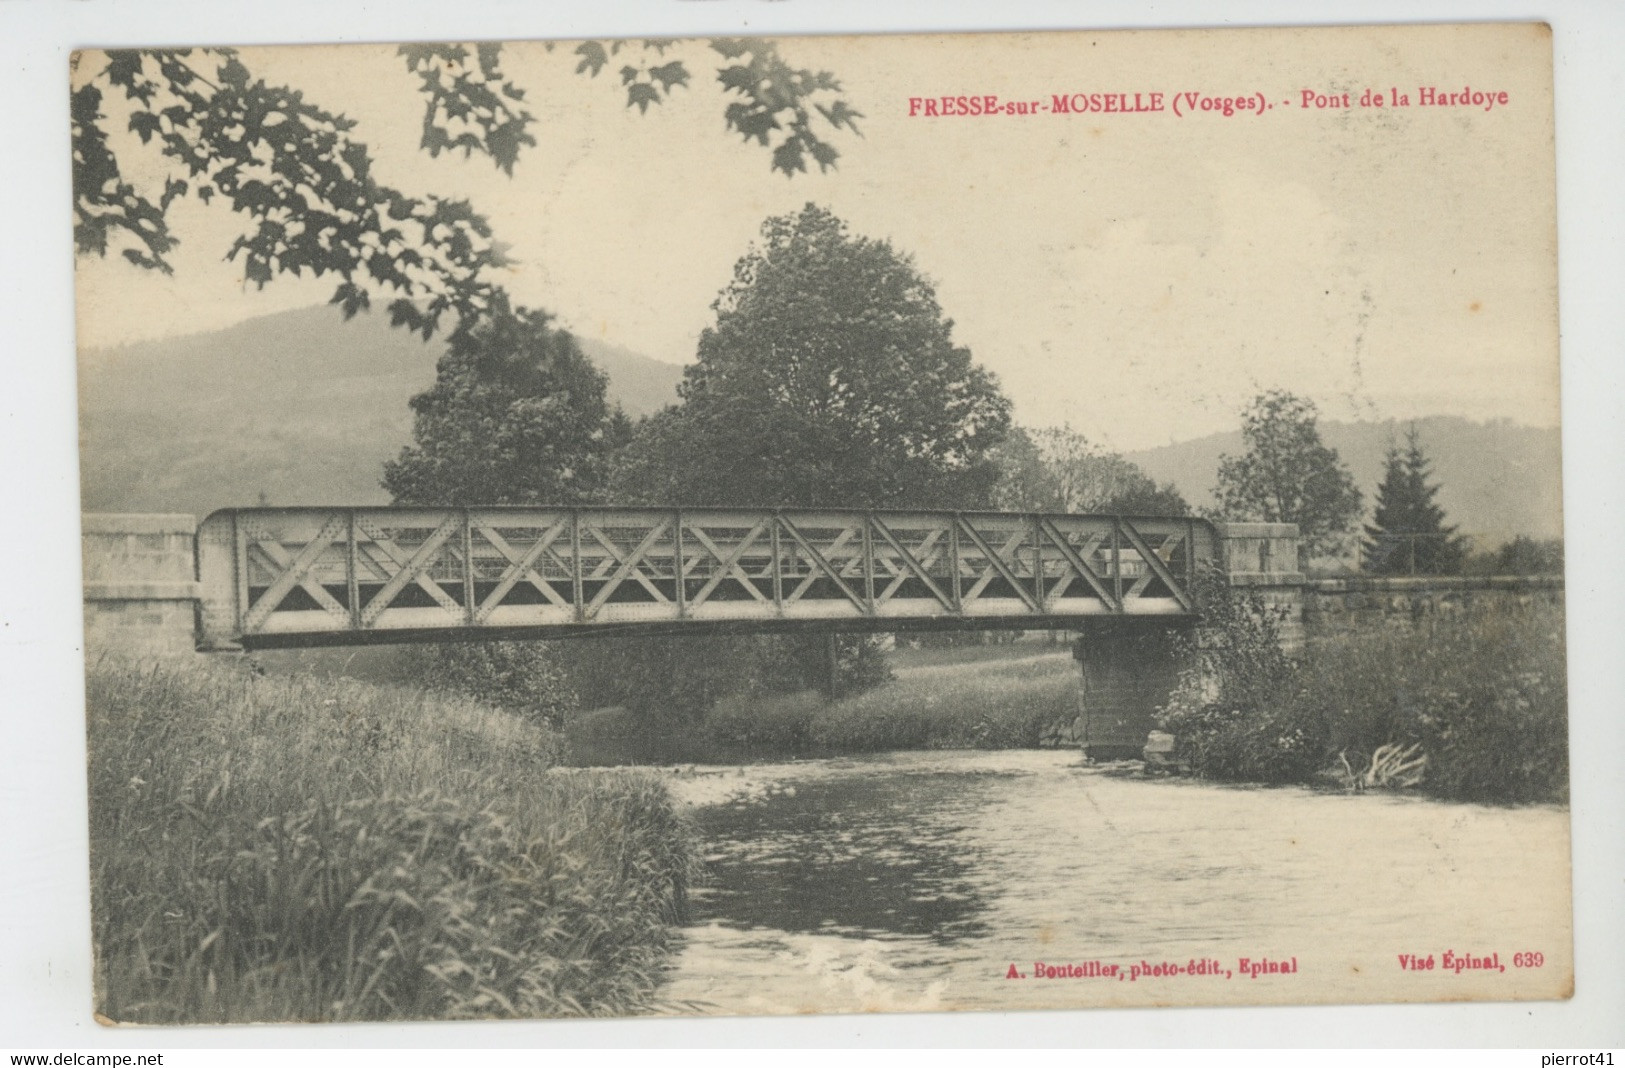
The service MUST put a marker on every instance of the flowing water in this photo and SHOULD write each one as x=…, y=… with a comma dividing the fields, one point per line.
x=914, y=881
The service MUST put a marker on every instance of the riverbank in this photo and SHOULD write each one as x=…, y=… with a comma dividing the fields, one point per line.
x=997, y=697
x=304, y=848
x=1469, y=706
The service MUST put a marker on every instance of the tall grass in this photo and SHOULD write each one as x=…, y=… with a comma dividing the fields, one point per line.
x=1484, y=695
x=324, y=849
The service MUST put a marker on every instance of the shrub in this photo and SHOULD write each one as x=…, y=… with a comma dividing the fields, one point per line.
x=781, y=725
x=1484, y=695
x=664, y=678
x=861, y=664
x=1481, y=695
x=619, y=736
x=1236, y=711
x=674, y=681
x=1522, y=555
x=1505, y=741
x=526, y=678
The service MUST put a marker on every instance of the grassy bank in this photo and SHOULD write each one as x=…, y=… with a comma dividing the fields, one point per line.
x=282, y=848
x=1483, y=696
x=1472, y=706
x=993, y=702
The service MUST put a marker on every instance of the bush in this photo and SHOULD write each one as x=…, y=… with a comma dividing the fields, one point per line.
x=615, y=736
x=1485, y=695
x=1482, y=695
x=785, y=664
x=1522, y=555
x=658, y=678
x=526, y=678
x=1236, y=711
x=1269, y=745
x=279, y=849
x=780, y=725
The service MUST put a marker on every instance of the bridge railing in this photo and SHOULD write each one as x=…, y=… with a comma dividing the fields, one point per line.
x=282, y=576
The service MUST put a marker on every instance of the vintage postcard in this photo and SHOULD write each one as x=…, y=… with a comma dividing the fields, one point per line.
x=825, y=524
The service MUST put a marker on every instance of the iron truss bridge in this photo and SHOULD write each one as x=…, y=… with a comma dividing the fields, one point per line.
x=335, y=576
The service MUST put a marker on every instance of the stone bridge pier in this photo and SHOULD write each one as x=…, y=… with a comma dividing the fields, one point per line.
x=141, y=589
x=1130, y=667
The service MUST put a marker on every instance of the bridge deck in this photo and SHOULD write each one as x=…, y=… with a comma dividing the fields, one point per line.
x=332, y=576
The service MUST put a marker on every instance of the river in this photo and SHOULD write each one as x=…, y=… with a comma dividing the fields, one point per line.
x=945, y=880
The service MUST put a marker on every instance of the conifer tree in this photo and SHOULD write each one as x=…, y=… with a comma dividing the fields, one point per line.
x=1408, y=534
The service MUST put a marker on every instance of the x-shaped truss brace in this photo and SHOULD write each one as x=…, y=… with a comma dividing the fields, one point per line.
x=522, y=567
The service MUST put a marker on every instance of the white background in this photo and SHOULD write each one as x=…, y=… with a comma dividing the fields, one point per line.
x=44, y=923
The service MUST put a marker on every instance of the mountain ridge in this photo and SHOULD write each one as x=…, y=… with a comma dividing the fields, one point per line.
x=301, y=407
x=305, y=410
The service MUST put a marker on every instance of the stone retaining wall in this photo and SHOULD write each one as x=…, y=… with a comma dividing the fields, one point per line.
x=1336, y=606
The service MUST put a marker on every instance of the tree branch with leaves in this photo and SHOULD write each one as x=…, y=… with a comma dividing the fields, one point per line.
x=306, y=183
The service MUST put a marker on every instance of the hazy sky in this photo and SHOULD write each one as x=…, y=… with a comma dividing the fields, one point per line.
x=1138, y=275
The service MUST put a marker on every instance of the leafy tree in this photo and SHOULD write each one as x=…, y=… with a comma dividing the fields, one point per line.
x=1522, y=555
x=1025, y=482
x=1288, y=475
x=657, y=465
x=769, y=101
x=517, y=415
x=1408, y=534
x=1147, y=498
x=307, y=185
x=1057, y=469
x=1527, y=556
x=829, y=379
